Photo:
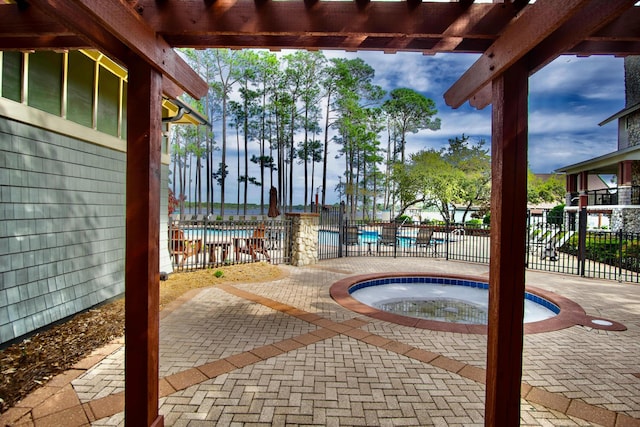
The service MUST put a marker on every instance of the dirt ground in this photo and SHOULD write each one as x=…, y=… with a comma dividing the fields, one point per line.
x=29, y=364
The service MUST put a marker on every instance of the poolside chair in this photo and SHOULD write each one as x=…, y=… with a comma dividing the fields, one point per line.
x=272, y=239
x=388, y=236
x=351, y=235
x=256, y=244
x=182, y=248
x=424, y=239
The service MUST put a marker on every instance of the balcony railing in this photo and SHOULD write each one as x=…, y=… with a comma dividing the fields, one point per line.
x=604, y=197
x=624, y=195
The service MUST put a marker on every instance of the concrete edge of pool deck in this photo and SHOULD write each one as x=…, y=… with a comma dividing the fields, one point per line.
x=57, y=404
x=571, y=313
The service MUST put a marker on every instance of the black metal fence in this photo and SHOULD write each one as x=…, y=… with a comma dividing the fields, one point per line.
x=197, y=243
x=353, y=238
x=570, y=247
x=561, y=245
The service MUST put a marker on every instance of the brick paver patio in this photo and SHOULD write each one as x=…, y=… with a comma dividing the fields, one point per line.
x=285, y=353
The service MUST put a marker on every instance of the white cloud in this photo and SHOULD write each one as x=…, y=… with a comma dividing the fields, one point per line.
x=595, y=77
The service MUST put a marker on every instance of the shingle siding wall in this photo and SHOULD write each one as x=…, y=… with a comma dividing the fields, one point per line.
x=62, y=227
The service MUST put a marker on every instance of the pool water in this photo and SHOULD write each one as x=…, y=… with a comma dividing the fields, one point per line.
x=462, y=302
x=404, y=240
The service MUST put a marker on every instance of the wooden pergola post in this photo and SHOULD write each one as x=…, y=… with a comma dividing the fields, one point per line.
x=142, y=277
x=508, y=229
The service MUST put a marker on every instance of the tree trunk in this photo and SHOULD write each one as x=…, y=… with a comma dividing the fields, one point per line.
x=246, y=151
x=224, y=153
x=326, y=151
x=238, y=171
x=306, y=156
x=291, y=156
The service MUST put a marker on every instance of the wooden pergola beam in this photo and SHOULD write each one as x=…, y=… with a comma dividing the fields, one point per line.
x=190, y=19
x=464, y=28
x=536, y=23
x=509, y=129
x=142, y=264
x=587, y=20
x=44, y=42
x=116, y=29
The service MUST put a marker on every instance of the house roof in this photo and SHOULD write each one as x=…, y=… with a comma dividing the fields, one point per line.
x=624, y=112
x=605, y=164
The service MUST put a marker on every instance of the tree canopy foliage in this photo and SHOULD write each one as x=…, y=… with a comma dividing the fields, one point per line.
x=456, y=175
x=284, y=114
x=547, y=188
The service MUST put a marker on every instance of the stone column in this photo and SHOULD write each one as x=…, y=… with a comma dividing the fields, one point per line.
x=304, y=238
x=625, y=219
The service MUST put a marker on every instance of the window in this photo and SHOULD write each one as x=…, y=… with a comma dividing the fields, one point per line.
x=45, y=81
x=108, y=102
x=80, y=89
x=12, y=76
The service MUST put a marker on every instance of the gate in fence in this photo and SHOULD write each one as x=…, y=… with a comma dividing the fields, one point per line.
x=329, y=232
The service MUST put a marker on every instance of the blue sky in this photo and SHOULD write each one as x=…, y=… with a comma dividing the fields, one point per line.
x=568, y=98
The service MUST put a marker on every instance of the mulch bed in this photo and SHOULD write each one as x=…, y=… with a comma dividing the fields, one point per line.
x=29, y=364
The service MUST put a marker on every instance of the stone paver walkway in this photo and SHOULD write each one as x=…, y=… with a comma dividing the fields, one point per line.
x=284, y=353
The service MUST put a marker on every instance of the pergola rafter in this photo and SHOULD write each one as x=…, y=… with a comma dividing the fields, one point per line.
x=514, y=37
x=463, y=27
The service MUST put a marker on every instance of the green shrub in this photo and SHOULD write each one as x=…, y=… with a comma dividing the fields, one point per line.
x=607, y=251
x=474, y=223
x=487, y=219
x=556, y=215
x=218, y=273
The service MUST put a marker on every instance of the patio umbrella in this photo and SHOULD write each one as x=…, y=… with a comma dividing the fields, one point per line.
x=273, y=203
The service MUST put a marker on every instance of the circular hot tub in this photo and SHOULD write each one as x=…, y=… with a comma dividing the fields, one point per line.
x=453, y=303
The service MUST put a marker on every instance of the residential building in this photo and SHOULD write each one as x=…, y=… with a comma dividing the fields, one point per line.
x=62, y=185
x=587, y=185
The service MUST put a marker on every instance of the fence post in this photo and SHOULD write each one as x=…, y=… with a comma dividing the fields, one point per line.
x=582, y=241
x=341, y=228
x=447, y=234
x=528, y=239
x=395, y=236
x=619, y=234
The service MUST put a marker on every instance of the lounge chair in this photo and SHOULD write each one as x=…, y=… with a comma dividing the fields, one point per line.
x=351, y=235
x=388, y=236
x=424, y=239
x=182, y=248
x=254, y=245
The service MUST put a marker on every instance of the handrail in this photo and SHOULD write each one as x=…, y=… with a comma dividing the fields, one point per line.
x=624, y=194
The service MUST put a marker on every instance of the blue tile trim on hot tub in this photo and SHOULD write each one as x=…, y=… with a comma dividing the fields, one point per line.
x=446, y=281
